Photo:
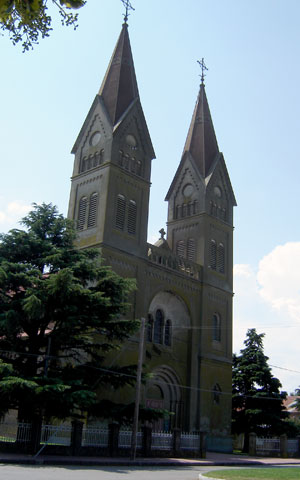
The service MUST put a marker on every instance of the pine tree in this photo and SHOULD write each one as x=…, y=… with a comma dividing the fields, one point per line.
x=61, y=313
x=257, y=400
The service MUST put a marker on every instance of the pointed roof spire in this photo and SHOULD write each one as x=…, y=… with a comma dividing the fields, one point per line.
x=119, y=87
x=201, y=140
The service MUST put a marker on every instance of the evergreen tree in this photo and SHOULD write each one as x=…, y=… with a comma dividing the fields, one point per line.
x=257, y=400
x=61, y=313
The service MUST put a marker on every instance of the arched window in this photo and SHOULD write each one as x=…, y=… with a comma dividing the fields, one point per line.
x=138, y=167
x=82, y=213
x=195, y=207
x=180, y=248
x=168, y=333
x=221, y=258
x=191, y=249
x=216, y=327
x=177, y=211
x=92, y=218
x=217, y=391
x=213, y=255
x=83, y=164
x=150, y=328
x=120, y=213
x=158, y=327
x=131, y=223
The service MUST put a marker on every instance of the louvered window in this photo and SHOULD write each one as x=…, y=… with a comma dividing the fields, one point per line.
x=158, y=327
x=82, y=213
x=213, y=255
x=191, y=249
x=92, y=218
x=131, y=223
x=216, y=327
x=168, y=333
x=221, y=258
x=120, y=213
x=180, y=248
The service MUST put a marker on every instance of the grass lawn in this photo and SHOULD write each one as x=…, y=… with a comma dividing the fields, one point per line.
x=278, y=473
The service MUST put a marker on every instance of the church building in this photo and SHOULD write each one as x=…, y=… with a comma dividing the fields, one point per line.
x=184, y=280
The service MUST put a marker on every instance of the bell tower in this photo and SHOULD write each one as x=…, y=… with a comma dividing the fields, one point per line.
x=109, y=197
x=201, y=199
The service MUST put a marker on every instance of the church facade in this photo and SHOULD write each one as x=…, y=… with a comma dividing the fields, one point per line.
x=184, y=281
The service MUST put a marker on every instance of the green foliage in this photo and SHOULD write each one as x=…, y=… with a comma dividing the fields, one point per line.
x=257, y=473
x=27, y=20
x=56, y=298
x=123, y=414
x=257, y=400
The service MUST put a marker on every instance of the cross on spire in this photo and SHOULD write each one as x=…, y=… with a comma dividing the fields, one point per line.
x=203, y=69
x=128, y=7
x=162, y=233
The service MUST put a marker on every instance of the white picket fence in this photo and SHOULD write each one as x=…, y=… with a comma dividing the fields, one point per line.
x=267, y=445
x=93, y=436
x=189, y=441
x=162, y=440
x=56, y=434
x=11, y=432
x=271, y=446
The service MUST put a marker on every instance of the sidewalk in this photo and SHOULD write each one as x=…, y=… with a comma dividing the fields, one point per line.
x=213, y=459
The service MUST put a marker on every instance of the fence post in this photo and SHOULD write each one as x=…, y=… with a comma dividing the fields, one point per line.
x=76, y=436
x=113, y=439
x=298, y=449
x=147, y=440
x=35, y=437
x=202, y=445
x=252, y=443
x=283, y=446
x=176, y=441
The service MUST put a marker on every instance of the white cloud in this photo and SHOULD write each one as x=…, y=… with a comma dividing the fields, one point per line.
x=269, y=300
x=11, y=214
x=279, y=278
x=17, y=208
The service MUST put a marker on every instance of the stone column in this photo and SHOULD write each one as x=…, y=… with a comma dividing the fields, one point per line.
x=252, y=443
x=176, y=441
x=298, y=452
x=147, y=440
x=113, y=439
x=76, y=436
x=202, y=445
x=283, y=446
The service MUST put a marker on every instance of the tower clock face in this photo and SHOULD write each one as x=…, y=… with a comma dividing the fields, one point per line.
x=218, y=192
x=95, y=139
x=131, y=140
x=188, y=190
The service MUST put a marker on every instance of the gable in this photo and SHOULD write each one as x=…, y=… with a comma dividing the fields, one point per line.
x=133, y=123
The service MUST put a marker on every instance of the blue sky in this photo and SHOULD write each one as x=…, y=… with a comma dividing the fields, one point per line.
x=252, y=50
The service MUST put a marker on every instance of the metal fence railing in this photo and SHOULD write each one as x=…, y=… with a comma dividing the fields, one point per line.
x=162, y=440
x=95, y=437
x=189, y=441
x=15, y=432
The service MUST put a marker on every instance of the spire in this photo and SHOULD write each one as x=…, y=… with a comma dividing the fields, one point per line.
x=201, y=140
x=119, y=87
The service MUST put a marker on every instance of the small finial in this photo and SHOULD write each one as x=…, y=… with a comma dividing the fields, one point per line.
x=128, y=7
x=162, y=233
x=203, y=68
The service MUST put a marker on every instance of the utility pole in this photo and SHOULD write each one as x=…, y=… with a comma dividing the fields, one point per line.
x=138, y=391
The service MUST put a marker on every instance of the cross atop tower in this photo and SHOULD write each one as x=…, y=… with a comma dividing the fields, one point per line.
x=203, y=69
x=128, y=7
